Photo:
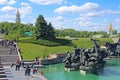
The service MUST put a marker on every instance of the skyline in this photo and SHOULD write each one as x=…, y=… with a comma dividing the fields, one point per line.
x=82, y=15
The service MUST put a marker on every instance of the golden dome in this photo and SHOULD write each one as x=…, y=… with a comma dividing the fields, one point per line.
x=110, y=27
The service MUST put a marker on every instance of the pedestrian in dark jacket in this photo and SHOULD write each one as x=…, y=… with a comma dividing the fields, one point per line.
x=27, y=71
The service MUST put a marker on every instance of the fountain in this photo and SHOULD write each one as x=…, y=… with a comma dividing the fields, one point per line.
x=86, y=60
x=113, y=50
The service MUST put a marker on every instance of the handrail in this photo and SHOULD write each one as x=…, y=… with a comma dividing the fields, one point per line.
x=18, y=52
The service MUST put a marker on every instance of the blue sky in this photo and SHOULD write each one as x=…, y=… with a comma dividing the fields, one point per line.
x=90, y=15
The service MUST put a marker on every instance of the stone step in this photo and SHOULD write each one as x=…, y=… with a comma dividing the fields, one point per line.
x=10, y=47
x=1, y=69
x=9, y=58
x=2, y=72
x=5, y=52
x=3, y=76
x=4, y=79
x=5, y=55
x=8, y=53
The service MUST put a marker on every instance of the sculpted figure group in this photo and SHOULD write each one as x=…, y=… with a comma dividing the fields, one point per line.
x=91, y=59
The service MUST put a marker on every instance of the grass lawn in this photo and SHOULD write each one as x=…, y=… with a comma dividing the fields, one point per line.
x=31, y=50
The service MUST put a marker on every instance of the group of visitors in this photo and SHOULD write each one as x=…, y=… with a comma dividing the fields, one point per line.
x=8, y=43
x=4, y=43
x=28, y=68
x=11, y=44
x=33, y=69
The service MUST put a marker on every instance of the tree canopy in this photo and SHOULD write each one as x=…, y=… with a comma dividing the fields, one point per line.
x=43, y=30
x=82, y=34
x=14, y=30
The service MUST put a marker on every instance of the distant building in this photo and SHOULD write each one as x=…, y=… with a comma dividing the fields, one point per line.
x=112, y=32
x=17, y=16
x=110, y=29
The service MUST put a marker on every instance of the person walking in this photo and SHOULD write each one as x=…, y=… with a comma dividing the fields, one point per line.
x=27, y=71
x=18, y=64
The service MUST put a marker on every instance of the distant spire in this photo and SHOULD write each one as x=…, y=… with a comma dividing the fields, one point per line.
x=110, y=28
x=17, y=16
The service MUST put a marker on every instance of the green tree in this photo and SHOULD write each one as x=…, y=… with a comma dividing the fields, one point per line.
x=50, y=31
x=10, y=29
x=119, y=35
x=41, y=26
x=42, y=30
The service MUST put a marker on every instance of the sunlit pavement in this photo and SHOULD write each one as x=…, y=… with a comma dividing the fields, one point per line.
x=12, y=74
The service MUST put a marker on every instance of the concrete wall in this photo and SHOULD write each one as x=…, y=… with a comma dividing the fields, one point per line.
x=51, y=61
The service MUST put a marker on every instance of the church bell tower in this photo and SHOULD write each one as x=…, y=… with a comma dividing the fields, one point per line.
x=17, y=16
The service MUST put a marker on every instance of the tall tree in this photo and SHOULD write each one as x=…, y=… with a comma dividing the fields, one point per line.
x=17, y=16
x=43, y=31
x=41, y=26
x=50, y=31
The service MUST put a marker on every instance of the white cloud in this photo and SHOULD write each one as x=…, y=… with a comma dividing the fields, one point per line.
x=85, y=24
x=7, y=17
x=25, y=9
x=93, y=14
x=59, y=18
x=82, y=25
x=84, y=8
x=61, y=22
x=91, y=26
x=110, y=12
x=24, y=4
x=89, y=15
x=47, y=2
x=117, y=21
x=23, y=16
x=86, y=16
x=83, y=18
x=3, y=1
x=9, y=2
x=57, y=22
x=87, y=12
x=7, y=8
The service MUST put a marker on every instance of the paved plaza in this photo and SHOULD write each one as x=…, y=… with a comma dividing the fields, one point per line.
x=12, y=74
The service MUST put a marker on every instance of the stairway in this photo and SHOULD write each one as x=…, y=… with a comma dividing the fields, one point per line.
x=7, y=55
